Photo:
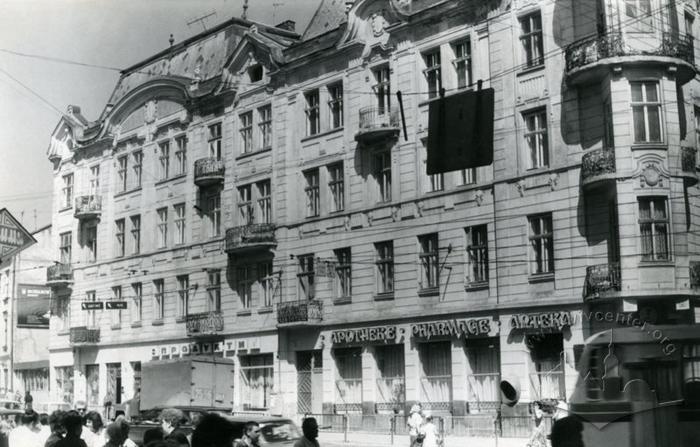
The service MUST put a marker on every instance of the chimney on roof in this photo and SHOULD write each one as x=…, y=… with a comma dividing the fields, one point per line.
x=288, y=25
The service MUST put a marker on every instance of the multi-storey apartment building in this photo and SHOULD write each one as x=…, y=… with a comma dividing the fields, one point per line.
x=252, y=193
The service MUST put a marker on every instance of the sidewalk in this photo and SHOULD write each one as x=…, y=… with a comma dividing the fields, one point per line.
x=334, y=439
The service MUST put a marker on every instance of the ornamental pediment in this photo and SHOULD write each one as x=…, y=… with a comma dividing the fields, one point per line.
x=251, y=63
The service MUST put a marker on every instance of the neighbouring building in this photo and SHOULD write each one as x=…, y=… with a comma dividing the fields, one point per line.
x=252, y=193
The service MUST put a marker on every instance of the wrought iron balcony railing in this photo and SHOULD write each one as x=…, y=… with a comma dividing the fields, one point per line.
x=602, y=278
x=301, y=313
x=84, y=335
x=376, y=122
x=688, y=159
x=612, y=44
x=596, y=163
x=205, y=323
x=208, y=171
x=87, y=207
x=249, y=237
x=59, y=274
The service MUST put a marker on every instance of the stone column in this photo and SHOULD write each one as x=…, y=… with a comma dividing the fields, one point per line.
x=369, y=380
x=412, y=364
x=459, y=377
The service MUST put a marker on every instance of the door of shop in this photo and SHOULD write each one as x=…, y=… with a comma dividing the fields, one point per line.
x=114, y=382
x=309, y=382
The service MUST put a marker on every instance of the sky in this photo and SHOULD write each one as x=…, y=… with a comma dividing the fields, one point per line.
x=109, y=33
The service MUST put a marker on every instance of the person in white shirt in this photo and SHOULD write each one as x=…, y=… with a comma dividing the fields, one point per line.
x=430, y=432
x=415, y=420
x=27, y=433
x=94, y=431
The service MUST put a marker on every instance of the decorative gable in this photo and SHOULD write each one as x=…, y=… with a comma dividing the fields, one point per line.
x=251, y=63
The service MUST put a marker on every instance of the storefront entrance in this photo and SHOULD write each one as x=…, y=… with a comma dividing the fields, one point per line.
x=309, y=382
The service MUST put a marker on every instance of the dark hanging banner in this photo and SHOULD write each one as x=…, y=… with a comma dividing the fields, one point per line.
x=460, y=131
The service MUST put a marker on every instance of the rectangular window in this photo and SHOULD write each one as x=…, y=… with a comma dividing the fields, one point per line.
x=214, y=290
x=214, y=139
x=382, y=173
x=162, y=227
x=91, y=315
x=138, y=163
x=91, y=242
x=477, y=254
x=689, y=21
x=214, y=207
x=343, y=273
x=257, y=384
x=158, y=299
x=265, y=126
x=264, y=202
x=313, y=115
x=246, y=130
x=305, y=277
x=181, y=155
x=312, y=193
x=436, y=182
x=94, y=180
x=335, y=104
x=122, y=174
x=67, y=191
x=382, y=89
x=433, y=72
x=646, y=112
x=119, y=225
x=136, y=308
x=654, y=229
x=640, y=12
x=66, y=247
x=180, y=223
x=463, y=63
x=531, y=39
x=116, y=314
x=466, y=177
x=183, y=295
x=336, y=184
x=244, y=285
x=246, y=213
x=536, y=138
x=429, y=261
x=541, y=244
x=267, y=284
x=385, y=266
x=164, y=158
x=135, y=234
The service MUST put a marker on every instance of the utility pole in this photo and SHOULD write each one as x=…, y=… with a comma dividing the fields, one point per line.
x=201, y=20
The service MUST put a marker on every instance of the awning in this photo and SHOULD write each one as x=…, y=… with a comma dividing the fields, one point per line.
x=36, y=364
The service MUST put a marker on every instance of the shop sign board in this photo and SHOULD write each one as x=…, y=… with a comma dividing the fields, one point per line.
x=116, y=305
x=185, y=349
x=13, y=236
x=372, y=334
x=92, y=305
x=33, y=304
x=453, y=328
x=544, y=320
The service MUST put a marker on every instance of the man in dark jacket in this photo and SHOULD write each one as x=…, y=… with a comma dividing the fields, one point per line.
x=170, y=420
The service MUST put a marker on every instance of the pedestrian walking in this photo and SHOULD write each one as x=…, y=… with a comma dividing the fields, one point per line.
x=213, y=431
x=251, y=435
x=538, y=438
x=170, y=420
x=27, y=433
x=414, y=422
x=73, y=423
x=28, y=401
x=429, y=432
x=310, y=429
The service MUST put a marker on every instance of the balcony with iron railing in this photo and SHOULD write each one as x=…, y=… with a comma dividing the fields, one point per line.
x=59, y=275
x=597, y=166
x=302, y=313
x=88, y=207
x=209, y=171
x=84, y=336
x=251, y=237
x=589, y=59
x=601, y=279
x=377, y=123
x=204, y=324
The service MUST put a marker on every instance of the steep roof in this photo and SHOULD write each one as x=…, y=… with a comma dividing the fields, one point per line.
x=329, y=15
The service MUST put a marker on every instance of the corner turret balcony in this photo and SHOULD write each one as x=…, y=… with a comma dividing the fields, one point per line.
x=597, y=166
x=377, y=123
x=303, y=313
x=590, y=59
x=204, y=324
x=88, y=207
x=601, y=279
x=208, y=171
x=84, y=336
x=253, y=237
x=59, y=275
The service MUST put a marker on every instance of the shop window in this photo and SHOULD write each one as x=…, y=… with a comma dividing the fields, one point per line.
x=547, y=376
x=114, y=382
x=348, y=383
x=484, y=374
x=256, y=380
x=436, y=375
x=92, y=384
x=64, y=383
x=391, y=380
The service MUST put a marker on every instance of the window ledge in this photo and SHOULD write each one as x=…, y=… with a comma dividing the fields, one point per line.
x=157, y=322
x=659, y=263
x=170, y=179
x=649, y=146
x=385, y=296
x=128, y=191
x=321, y=134
x=64, y=332
x=115, y=327
x=136, y=324
x=477, y=285
x=65, y=209
x=265, y=310
x=181, y=319
x=343, y=300
x=525, y=70
x=244, y=313
x=251, y=154
x=540, y=277
x=429, y=291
